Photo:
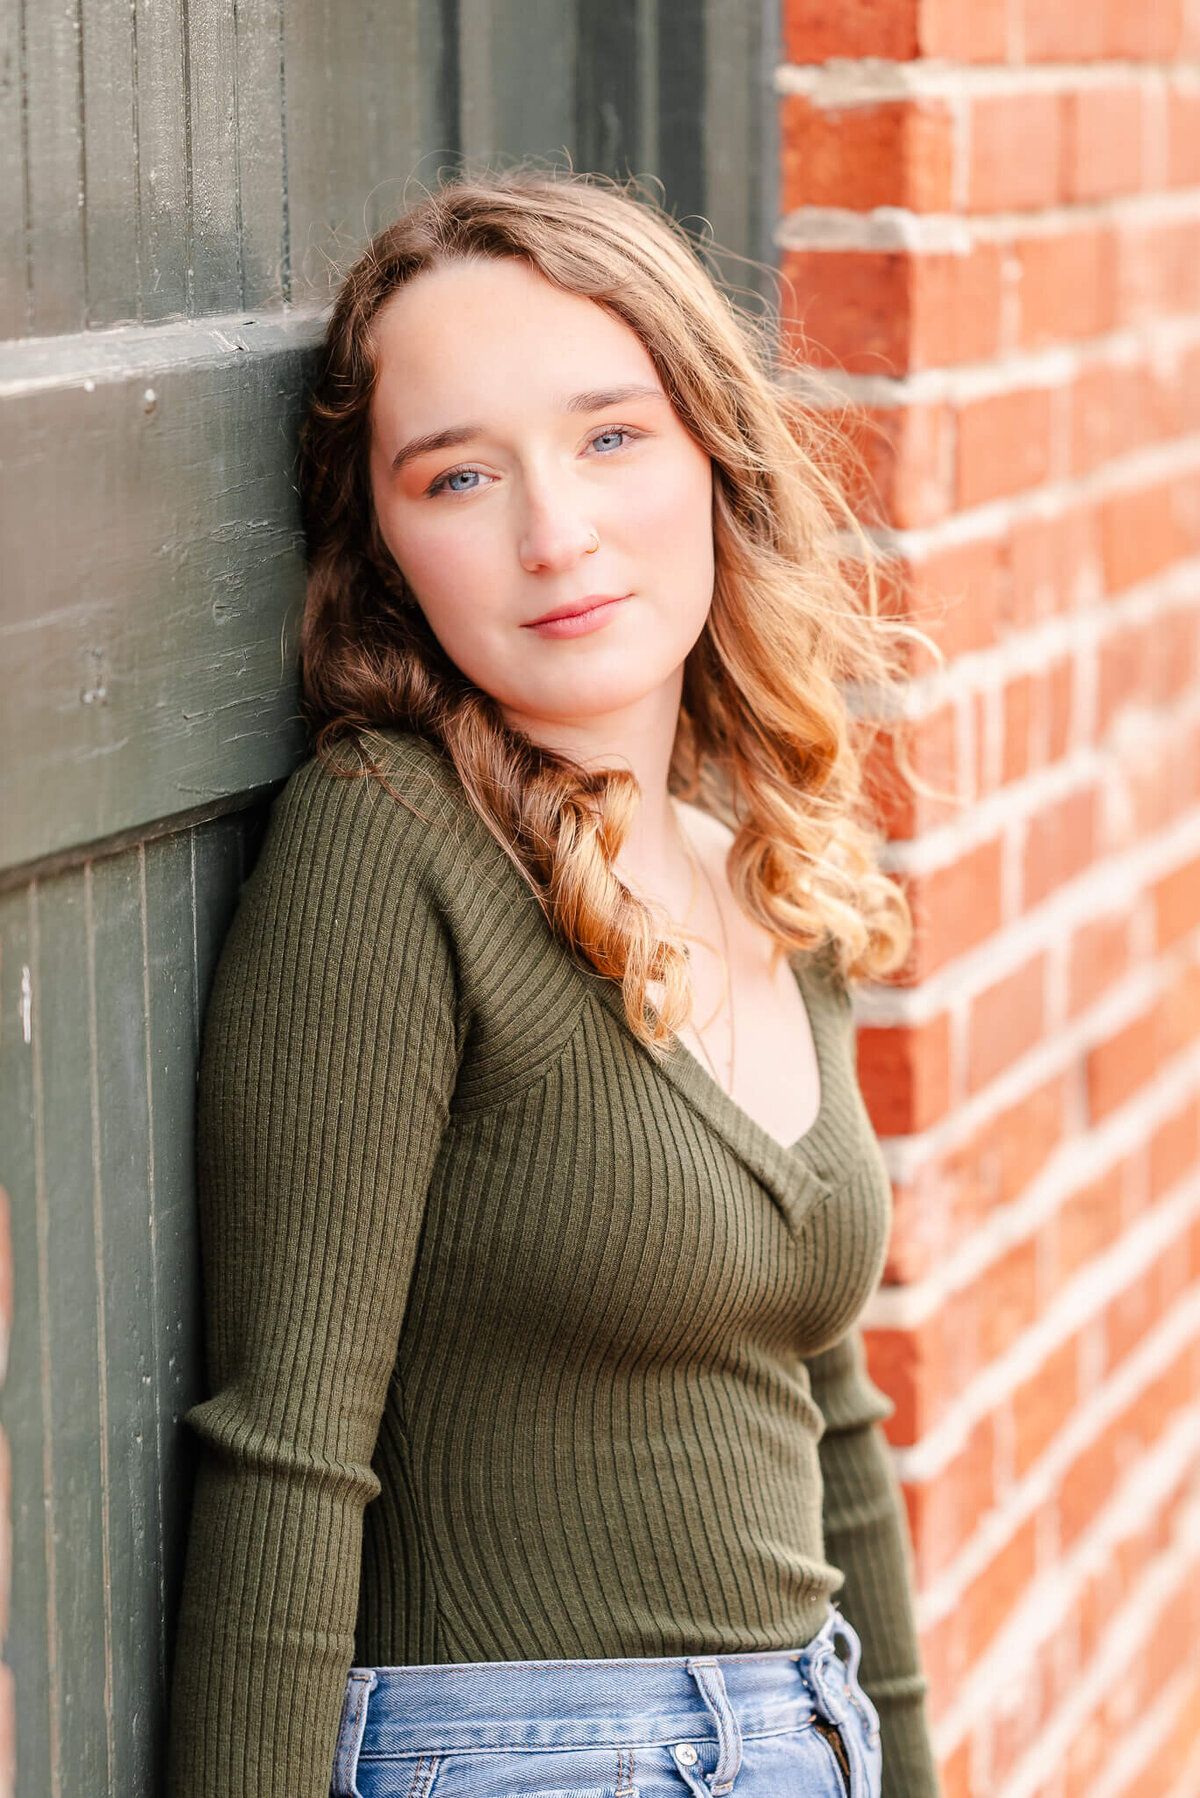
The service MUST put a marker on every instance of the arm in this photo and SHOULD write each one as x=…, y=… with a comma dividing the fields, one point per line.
x=329, y=1058
x=866, y=1536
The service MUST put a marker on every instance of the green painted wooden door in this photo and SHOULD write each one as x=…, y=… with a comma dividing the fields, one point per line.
x=183, y=179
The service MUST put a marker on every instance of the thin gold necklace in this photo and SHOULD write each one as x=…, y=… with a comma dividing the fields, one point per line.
x=723, y=957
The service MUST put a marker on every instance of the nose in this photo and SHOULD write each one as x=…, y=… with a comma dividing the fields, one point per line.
x=554, y=535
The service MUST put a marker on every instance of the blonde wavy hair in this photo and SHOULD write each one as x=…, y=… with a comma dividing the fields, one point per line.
x=766, y=739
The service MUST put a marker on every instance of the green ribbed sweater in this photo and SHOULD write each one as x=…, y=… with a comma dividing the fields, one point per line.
x=521, y=1345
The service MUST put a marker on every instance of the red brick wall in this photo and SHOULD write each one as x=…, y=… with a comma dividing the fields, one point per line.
x=991, y=234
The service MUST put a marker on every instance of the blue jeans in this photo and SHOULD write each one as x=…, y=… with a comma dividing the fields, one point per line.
x=780, y=1724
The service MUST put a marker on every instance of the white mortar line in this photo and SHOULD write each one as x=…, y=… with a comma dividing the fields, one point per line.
x=992, y=521
x=1133, y=1753
x=1056, y=637
x=1088, y=765
x=1010, y=1662
x=1081, y=1300
x=1158, y=341
x=846, y=81
x=1118, y=881
x=907, y=1157
x=1001, y=1674
x=1074, y=1165
x=949, y=233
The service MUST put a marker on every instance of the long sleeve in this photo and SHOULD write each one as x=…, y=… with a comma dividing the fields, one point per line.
x=866, y=1537
x=329, y=1058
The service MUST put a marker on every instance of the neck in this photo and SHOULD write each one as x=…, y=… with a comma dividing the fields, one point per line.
x=639, y=737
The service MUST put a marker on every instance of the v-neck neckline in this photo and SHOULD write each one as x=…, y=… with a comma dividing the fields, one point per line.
x=799, y=1173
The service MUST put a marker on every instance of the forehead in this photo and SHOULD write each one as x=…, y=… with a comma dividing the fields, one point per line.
x=496, y=329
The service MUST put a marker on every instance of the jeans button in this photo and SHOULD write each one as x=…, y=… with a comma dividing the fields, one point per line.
x=686, y=1755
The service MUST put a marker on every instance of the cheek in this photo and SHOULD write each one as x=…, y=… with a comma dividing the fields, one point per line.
x=448, y=568
x=672, y=516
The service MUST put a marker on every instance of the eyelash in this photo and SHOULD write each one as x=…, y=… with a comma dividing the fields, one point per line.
x=439, y=485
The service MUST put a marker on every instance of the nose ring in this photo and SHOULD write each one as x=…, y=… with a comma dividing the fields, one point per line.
x=593, y=547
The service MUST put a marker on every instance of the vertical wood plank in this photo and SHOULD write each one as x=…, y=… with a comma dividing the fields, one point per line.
x=23, y=1398
x=54, y=150
x=517, y=61
x=609, y=135
x=108, y=61
x=347, y=163
x=74, y=1344
x=440, y=96
x=679, y=28
x=261, y=153
x=14, y=296
x=127, y=1310
x=171, y=1024
x=164, y=180
x=213, y=105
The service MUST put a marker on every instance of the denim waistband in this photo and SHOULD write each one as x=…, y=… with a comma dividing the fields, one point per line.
x=507, y=1704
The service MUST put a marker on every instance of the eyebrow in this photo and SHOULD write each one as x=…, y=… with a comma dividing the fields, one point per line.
x=596, y=399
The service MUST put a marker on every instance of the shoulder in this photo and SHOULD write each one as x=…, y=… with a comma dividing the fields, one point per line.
x=385, y=802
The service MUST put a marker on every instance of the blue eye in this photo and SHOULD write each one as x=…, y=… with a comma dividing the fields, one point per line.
x=617, y=431
x=459, y=474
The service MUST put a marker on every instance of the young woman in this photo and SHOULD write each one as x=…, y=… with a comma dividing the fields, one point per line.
x=539, y=1200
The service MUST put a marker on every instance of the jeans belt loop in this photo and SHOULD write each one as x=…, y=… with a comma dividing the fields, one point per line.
x=706, y=1672
x=359, y=1686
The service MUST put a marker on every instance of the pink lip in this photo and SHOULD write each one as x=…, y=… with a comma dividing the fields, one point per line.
x=577, y=620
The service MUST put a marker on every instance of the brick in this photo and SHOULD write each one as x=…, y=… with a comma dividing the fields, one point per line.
x=896, y=153
x=1109, y=415
x=1102, y=142
x=1177, y=904
x=1144, y=30
x=1016, y=152
x=1116, y=1068
x=1059, y=844
x=1089, y=1221
x=909, y=454
x=1005, y=1022
x=891, y=311
x=813, y=31
x=904, y=1074
x=954, y=907
x=1067, y=285
x=1005, y=1300
x=956, y=595
x=929, y=747
x=897, y=1365
x=1017, y=708
x=1158, y=268
x=997, y=1590
x=945, y=1511
x=1175, y=1152
x=1003, y=445
x=1099, y=956
x=1123, y=673
x=896, y=30
x=1183, y=136
x=1043, y=1404
x=1054, y=564
x=996, y=1164
x=1140, y=534
x=1179, y=1013
x=1173, y=661
x=1064, y=32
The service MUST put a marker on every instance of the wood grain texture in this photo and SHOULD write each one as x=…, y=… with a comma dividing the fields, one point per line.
x=147, y=651
x=96, y=1119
